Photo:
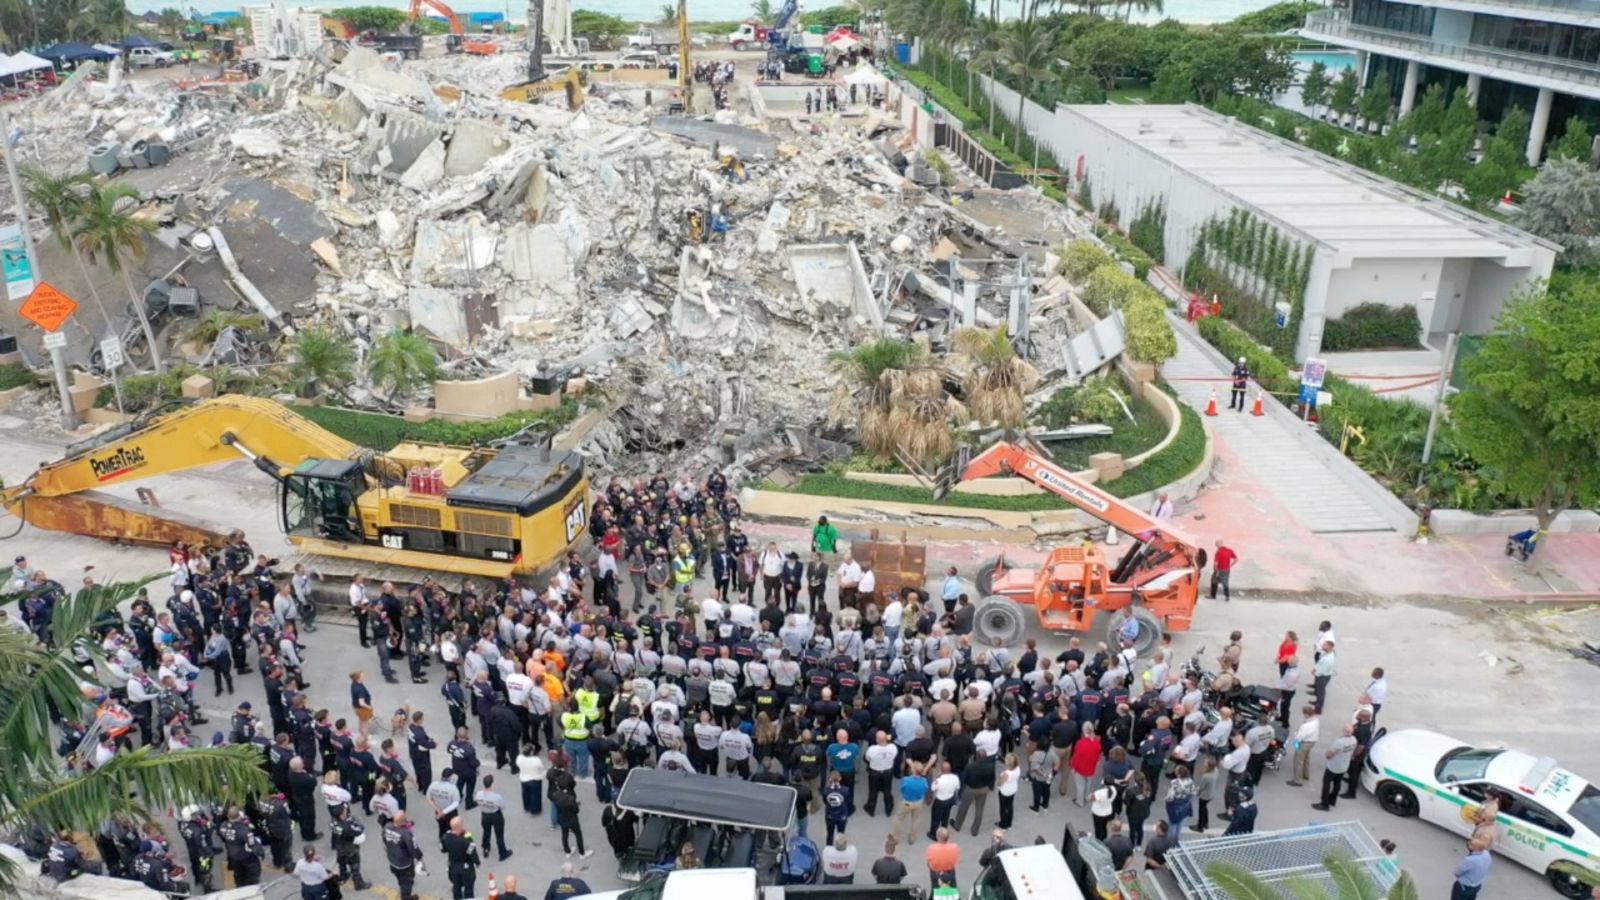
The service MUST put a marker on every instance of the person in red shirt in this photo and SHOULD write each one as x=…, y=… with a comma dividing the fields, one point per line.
x=1289, y=649
x=1221, y=568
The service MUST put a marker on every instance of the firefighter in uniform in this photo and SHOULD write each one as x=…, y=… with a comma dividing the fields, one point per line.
x=348, y=835
x=405, y=857
x=195, y=829
x=462, y=852
x=243, y=848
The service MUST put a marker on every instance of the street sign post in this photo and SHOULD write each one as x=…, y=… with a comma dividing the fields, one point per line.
x=55, y=340
x=111, y=360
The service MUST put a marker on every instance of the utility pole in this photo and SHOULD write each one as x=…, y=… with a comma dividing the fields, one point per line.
x=535, y=40
x=1445, y=369
x=58, y=362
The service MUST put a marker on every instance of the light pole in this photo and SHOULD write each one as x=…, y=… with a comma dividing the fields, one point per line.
x=58, y=362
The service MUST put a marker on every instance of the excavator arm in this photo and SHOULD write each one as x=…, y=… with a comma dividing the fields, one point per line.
x=64, y=495
x=439, y=7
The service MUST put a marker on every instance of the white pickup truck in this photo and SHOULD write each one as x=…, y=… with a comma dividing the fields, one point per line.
x=144, y=57
x=740, y=884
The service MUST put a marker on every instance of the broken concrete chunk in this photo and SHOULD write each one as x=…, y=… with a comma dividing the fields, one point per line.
x=428, y=170
x=257, y=142
x=390, y=232
x=329, y=255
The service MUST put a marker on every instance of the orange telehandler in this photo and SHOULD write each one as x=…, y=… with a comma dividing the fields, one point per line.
x=1155, y=584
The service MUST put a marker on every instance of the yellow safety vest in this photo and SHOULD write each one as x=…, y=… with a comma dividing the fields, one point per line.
x=588, y=704
x=574, y=726
x=683, y=570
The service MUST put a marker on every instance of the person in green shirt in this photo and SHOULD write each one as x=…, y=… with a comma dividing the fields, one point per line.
x=824, y=537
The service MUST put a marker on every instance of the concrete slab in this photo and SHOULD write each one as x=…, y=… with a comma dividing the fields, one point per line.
x=450, y=252
x=428, y=169
x=1459, y=521
x=473, y=144
x=404, y=136
x=440, y=313
x=749, y=142
x=833, y=274
x=292, y=216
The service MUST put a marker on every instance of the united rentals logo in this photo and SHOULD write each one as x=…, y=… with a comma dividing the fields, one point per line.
x=117, y=464
x=1090, y=500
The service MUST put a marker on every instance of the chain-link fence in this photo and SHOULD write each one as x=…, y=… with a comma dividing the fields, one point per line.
x=1279, y=857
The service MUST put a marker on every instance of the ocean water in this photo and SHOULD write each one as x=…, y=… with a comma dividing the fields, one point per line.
x=710, y=10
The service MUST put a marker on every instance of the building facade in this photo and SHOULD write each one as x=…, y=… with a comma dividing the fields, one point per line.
x=1540, y=55
x=1370, y=239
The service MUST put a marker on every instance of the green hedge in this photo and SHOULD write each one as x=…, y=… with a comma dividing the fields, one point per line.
x=14, y=375
x=1268, y=369
x=147, y=391
x=383, y=432
x=1373, y=326
x=1125, y=250
x=1081, y=258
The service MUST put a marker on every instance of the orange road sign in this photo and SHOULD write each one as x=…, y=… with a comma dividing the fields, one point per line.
x=48, y=308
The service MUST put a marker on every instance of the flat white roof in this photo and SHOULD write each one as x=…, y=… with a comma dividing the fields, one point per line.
x=1323, y=199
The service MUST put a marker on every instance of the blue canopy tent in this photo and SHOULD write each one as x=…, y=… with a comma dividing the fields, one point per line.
x=73, y=52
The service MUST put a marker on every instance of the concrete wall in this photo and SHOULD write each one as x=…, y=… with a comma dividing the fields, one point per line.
x=1487, y=289
x=482, y=398
x=1393, y=282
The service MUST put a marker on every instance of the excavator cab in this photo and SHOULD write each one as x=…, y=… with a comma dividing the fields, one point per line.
x=318, y=499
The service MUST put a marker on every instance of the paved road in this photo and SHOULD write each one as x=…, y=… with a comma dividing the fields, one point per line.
x=1439, y=681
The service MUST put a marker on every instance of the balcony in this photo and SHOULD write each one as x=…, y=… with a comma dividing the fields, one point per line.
x=1334, y=25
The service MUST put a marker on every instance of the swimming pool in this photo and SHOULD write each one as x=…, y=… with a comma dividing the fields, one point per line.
x=1335, y=60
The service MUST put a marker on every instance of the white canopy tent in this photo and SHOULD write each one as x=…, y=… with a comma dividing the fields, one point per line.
x=865, y=75
x=21, y=62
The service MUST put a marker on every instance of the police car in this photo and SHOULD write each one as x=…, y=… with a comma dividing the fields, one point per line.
x=1549, y=817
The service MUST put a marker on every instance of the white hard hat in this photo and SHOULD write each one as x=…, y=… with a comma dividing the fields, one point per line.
x=186, y=596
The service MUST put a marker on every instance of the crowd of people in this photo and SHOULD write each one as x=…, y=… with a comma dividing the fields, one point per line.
x=658, y=650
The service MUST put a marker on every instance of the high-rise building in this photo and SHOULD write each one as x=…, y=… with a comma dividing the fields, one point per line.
x=1540, y=55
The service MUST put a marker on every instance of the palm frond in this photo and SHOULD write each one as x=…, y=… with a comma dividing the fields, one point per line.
x=1404, y=889
x=1239, y=883
x=1350, y=878
x=146, y=780
x=1303, y=888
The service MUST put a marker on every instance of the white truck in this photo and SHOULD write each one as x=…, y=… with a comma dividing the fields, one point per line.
x=145, y=57
x=740, y=884
x=661, y=40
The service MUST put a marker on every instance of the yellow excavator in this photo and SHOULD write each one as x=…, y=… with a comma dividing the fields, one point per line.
x=571, y=82
x=468, y=511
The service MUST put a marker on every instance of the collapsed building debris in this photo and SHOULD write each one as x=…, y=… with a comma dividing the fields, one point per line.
x=700, y=272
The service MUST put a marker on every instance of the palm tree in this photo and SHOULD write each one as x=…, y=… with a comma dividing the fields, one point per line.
x=321, y=357
x=921, y=413
x=669, y=14
x=862, y=399
x=1026, y=51
x=401, y=362
x=36, y=681
x=979, y=38
x=1349, y=878
x=106, y=230
x=762, y=10
x=61, y=199
x=999, y=378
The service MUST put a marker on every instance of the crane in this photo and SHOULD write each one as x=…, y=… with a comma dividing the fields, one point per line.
x=469, y=511
x=458, y=38
x=1156, y=583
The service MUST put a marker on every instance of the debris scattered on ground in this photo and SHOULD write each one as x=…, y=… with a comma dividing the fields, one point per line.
x=699, y=272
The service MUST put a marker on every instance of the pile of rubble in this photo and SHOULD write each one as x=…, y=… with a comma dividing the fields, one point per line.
x=699, y=271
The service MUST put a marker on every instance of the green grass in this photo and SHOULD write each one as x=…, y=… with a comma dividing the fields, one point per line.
x=14, y=375
x=383, y=432
x=1127, y=438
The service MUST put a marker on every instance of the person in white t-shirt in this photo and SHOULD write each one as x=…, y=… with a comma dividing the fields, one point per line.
x=711, y=613
x=867, y=590
x=839, y=862
x=894, y=613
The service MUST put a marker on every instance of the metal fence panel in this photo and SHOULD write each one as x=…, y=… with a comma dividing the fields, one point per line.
x=1279, y=857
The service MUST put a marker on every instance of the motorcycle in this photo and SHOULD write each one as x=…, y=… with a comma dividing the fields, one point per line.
x=1194, y=670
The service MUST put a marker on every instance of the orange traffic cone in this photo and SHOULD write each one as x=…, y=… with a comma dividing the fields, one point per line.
x=1211, y=407
x=494, y=890
x=1259, y=409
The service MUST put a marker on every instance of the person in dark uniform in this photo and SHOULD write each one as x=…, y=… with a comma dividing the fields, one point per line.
x=279, y=823
x=405, y=857
x=195, y=829
x=363, y=774
x=243, y=848
x=421, y=747
x=64, y=861
x=1241, y=383
x=455, y=697
x=462, y=852
x=158, y=872
x=381, y=631
x=464, y=760
x=394, y=771
x=303, y=799
x=348, y=835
